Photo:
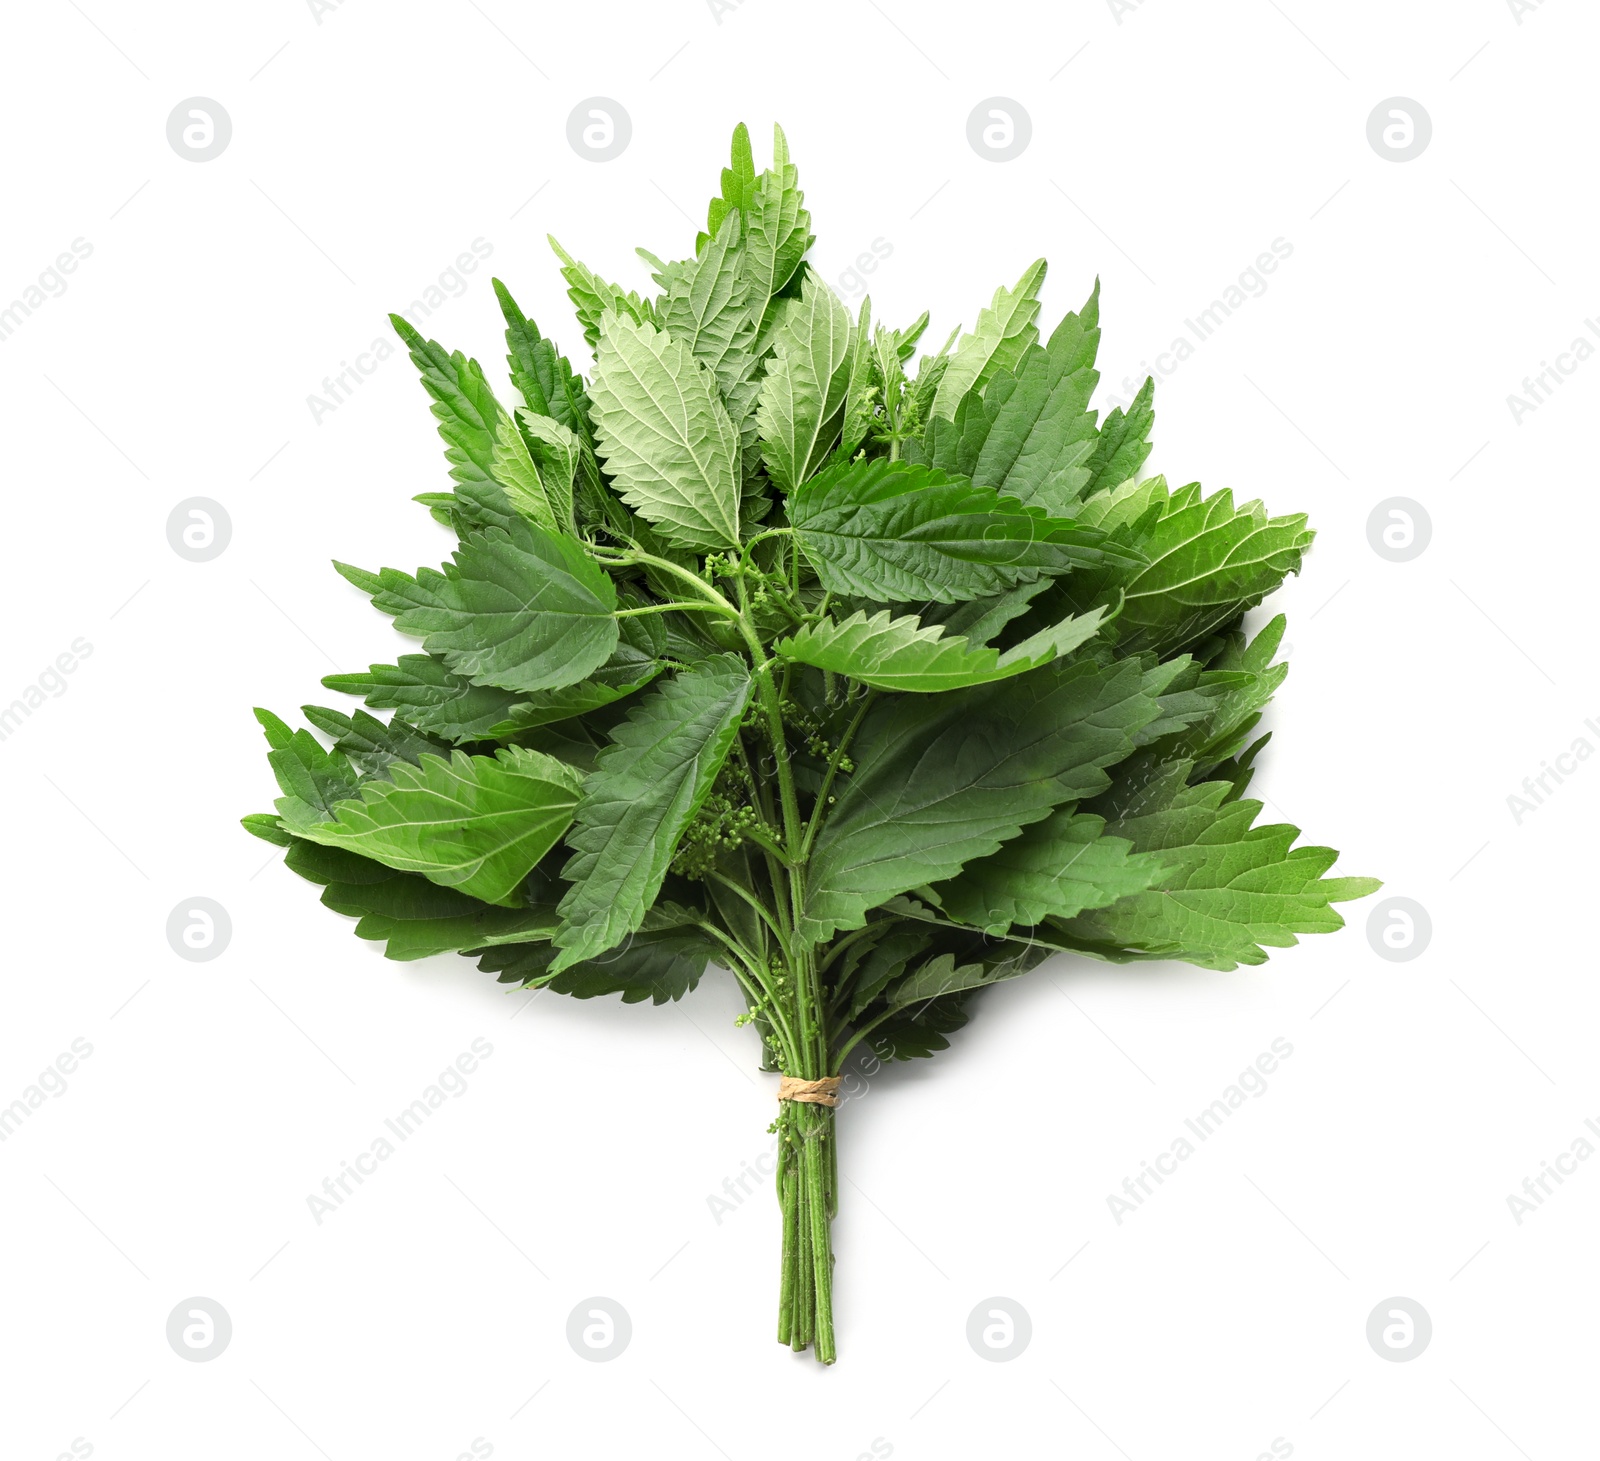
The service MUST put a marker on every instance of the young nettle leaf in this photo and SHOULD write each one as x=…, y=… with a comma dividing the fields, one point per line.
x=665, y=436
x=802, y=402
x=998, y=341
x=788, y=650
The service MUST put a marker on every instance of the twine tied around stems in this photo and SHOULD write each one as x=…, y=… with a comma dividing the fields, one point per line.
x=824, y=1092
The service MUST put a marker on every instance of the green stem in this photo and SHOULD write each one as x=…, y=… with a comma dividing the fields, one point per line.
x=696, y=606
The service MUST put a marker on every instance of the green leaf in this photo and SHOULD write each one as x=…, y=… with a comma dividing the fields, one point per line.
x=592, y=297
x=431, y=697
x=477, y=823
x=550, y=388
x=903, y=654
x=942, y=782
x=412, y=917
x=1208, y=561
x=1124, y=442
x=738, y=185
x=707, y=307
x=665, y=437
x=777, y=226
x=482, y=444
x=1228, y=890
x=862, y=390
x=368, y=744
x=313, y=779
x=634, y=663
x=436, y=700
x=663, y=961
x=518, y=477
x=557, y=455
x=1057, y=868
x=1040, y=431
x=531, y=614
x=998, y=341
x=641, y=797
x=267, y=827
x=897, y=532
x=937, y=977
x=803, y=396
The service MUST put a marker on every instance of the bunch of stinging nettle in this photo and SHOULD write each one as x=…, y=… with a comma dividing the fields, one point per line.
x=870, y=680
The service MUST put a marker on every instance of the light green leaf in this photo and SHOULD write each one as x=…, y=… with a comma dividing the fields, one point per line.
x=803, y=396
x=903, y=654
x=1124, y=442
x=519, y=478
x=477, y=823
x=998, y=341
x=941, y=976
x=897, y=532
x=1208, y=560
x=861, y=391
x=465, y=407
x=1040, y=430
x=738, y=185
x=707, y=306
x=1227, y=892
x=530, y=613
x=941, y=782
x=592, y=296
x=1056, y=869
x=665, y=437
x=645, y=790
x=777, y=227
x=558, y=455
x=423, y=689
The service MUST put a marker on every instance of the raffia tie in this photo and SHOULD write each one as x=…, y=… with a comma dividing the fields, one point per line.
x=824, y=1092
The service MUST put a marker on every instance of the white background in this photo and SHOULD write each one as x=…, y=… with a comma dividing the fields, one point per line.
x=1170, y=147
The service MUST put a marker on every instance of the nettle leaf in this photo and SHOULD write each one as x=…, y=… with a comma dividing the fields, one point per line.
x=665, y=436
x=1031, y=434
x=482, y=443
x=556, y=453
x=313, y=779
x=707, y=306
x=897, y=532
x=477, y=823
x=533, y=613
x=1228, y=890
x=640, y=799
x=412, y=917
x=1057, y=868
x=777, y=226
x=660, y=962
x=941, y=782
x=998, y=341
x=738, y=185
x=370, y=745
x=592, y=297
x=1123, y=445
x=431, y=696
x=904, y=654
x=1208, y=560
x=803, y=396
x=633, y=664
